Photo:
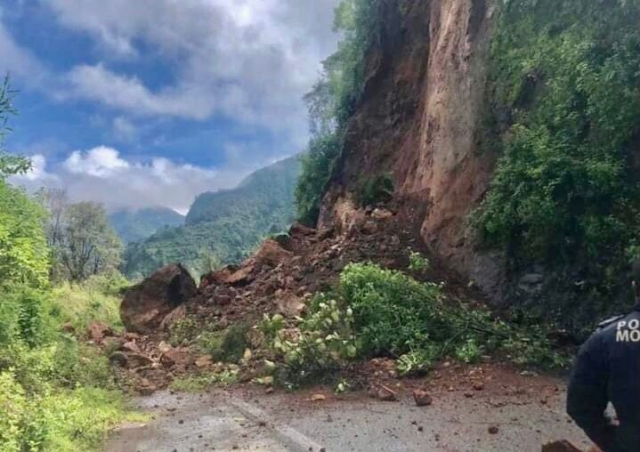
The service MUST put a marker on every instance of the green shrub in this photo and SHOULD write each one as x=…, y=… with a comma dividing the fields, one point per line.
x=418, y=263
x=183, y=331
x=379, y=312
x=14, y=404
x=24, y=255
x=225, y=346
x=393, y=313
x=417, y=362
x=196, y=383
x=25, y=317
x=374, y=190
x=50, y=419
x=469, y=352
x=323, y=342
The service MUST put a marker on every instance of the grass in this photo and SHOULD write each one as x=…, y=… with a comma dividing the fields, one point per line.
x=197, y=383
x=80, y=305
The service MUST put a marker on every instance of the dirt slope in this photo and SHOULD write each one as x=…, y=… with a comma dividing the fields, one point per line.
x=420, y=117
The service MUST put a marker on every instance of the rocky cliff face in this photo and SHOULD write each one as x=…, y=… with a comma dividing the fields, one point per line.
x=421, y=119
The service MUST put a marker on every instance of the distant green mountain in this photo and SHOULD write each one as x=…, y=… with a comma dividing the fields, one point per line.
x=223, y=226
x=136, y=225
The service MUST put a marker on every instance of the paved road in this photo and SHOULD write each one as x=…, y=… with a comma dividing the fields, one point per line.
x=252, y=421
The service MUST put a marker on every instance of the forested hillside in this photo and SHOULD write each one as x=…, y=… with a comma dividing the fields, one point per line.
x=136, y=225
x=222, y=227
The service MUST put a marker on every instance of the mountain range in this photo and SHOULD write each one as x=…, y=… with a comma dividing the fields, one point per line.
x=221, y=227
x=136, y=225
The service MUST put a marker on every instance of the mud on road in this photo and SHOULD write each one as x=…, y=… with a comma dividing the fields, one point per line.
x=513, y=413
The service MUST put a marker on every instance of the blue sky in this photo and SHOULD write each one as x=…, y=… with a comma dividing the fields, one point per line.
x=151, y=102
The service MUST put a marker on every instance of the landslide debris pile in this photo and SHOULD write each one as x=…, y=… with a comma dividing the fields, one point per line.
x=165, y=312
x=313, y=304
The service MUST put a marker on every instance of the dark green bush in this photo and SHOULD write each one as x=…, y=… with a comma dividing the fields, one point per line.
x=25, y=317
x=393, y=313
x=225, y=346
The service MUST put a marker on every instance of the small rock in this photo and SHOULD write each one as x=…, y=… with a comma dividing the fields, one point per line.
x=318, y=397
x=560, y=446
x=369, y=227
x=494, y=429
x=478, y=386
x=130, y=347
x=204, y=362
x=386, y=395
x=381, y=214
x=528, y=373
x=98, y=331
x=422, y=397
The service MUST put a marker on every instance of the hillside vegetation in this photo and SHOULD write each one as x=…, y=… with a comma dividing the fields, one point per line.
x=57, y=393
x=565, y=193
x=222, y=227
x=136, y=225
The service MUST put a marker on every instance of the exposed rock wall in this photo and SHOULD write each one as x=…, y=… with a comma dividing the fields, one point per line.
x=421, y=118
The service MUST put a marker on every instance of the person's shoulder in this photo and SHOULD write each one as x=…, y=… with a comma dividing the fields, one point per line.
x=609, y=322
x=603, y=334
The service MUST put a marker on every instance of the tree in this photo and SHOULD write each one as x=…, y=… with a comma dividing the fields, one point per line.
x=9, y=164
x=207, y=262
x=87, y=244
x=23, y=247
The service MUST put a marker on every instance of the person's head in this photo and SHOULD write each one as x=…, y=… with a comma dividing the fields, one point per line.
x=635, y=279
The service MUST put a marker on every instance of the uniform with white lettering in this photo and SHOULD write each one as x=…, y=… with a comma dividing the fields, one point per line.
x=608, y=370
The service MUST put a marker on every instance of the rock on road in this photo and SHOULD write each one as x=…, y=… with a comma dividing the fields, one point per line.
x=243, y=419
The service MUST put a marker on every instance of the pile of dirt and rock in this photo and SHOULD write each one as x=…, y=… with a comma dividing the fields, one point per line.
x=280, y=277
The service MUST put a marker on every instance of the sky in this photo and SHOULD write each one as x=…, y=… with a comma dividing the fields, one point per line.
x=139, y=103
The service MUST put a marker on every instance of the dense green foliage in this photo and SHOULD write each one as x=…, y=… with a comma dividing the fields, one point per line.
x=333, y=100
x=138, y=225
x=565, y=190
x=224, y=226
x=56, y=394
x=380, y=312
x=317, y=166
x=24, y=255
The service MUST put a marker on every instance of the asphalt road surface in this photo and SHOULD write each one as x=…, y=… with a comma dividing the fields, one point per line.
x=515, y=419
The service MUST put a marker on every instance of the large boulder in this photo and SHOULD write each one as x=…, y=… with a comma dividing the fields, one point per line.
x=146, y=305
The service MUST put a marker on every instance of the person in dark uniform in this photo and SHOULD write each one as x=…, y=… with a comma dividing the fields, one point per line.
x=607, y=369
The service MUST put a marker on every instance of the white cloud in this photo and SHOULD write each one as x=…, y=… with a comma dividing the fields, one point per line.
x=102, y=175
x=100, y=162
x=129, y=94
x=248, y=60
